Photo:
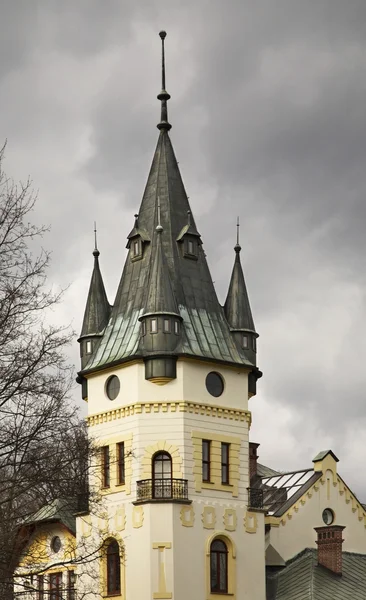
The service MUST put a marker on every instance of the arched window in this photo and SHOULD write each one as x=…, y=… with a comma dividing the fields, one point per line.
x=218, y=567
x=113, y=568
x=162, y=475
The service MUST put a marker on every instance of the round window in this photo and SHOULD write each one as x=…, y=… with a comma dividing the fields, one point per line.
x=112, y=387
x=214, y=384
x=328, y=516
x=55, y=544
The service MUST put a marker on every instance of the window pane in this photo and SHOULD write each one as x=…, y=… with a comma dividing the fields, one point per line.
x=223, y=572
x=176, y=327
x=214, y=573
x=105, y=467
x=154, y=325
x=136, y=249
x=245, y=341
x=121, y=462
x=205, y=450
x=166, y=325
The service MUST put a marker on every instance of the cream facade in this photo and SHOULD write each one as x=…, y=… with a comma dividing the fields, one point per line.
x=171, y=539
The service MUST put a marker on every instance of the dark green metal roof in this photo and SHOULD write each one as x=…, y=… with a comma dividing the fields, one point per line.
x=97, y=308
x=61, y=510
x=237, y=306
x=304, y=579
x=205, y=332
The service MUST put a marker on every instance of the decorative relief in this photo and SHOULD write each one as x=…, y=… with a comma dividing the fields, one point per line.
x=162, y=593
x=209, y=517
x=230, y=519
x=120, y=519
x=187, y=516
x=251, y=522
x=137, y=516
x=207, y=410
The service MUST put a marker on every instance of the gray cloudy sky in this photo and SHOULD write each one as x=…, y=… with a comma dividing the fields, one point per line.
x=269, y=122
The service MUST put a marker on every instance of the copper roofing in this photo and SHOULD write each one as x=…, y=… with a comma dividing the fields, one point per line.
x=97, y=308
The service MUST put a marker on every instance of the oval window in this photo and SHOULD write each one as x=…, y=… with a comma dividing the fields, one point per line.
x=55, y=544
x=113, y=387
x=214, y=384
x=328, y=516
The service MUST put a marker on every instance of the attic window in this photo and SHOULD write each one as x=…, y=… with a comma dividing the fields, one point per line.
x=176, y=327
x=190, y=247
x=88, y=347
x=136, y=249
x=167, y=325
x=245, y=341
x=154, y=326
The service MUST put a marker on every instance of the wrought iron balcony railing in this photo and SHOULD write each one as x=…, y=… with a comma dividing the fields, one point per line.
x=162, y=489
x=255, y=498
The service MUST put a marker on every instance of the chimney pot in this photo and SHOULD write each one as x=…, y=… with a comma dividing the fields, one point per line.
x=253, y=459
x=329, y=544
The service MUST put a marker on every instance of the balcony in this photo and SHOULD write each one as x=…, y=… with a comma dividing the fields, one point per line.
x=255, y=498
x=162, y=490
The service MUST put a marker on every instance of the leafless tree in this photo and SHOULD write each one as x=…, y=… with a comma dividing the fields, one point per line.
x=43, y=442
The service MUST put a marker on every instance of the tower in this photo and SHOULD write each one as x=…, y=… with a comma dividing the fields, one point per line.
x=167, y=380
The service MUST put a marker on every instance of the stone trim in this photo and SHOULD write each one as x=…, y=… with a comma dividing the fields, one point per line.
x=207, y=410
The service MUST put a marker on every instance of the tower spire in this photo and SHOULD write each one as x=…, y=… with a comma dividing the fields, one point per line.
x=163, y=96
x=96, y=252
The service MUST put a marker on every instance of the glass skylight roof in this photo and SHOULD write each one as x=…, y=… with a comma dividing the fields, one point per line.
x=278, y=489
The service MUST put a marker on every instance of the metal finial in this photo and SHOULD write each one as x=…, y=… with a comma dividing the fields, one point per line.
x=163, y=96
x=159, y=227
x=237, y=247
x=189, y=217
x=136, y=219
x=95, y=251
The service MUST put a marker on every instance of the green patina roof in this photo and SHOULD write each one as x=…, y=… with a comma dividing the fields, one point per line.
x=97, y=308
x=237, y=306
x=61, y=510
x=304, y=579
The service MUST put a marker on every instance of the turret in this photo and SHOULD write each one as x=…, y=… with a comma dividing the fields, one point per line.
x=161, y=322
x=96, y=313
x=238, y=312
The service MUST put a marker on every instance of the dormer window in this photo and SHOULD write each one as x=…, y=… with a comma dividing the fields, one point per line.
x=88, y=347
x=190, y=247
x=136, y=249
x=154, y=326
x=167, y=326
x=245, y=341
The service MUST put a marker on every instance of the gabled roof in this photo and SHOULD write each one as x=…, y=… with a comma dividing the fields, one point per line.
x=264, y=471
x=304, y=579
x=323, y=454
x=61, y=510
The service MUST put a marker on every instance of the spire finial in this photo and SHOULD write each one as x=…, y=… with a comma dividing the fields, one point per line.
x=189, y=217
x=159, y=227
x=237, y=246
x=95, y=251
x=163, y=96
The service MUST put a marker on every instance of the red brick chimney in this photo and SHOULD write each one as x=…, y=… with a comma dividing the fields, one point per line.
x=330, y=547
x=253, y=458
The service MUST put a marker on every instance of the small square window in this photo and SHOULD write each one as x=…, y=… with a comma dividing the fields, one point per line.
x=154, y=325
x=245, y=341
x=176, y=327
x=166, y=325
x=88, y=347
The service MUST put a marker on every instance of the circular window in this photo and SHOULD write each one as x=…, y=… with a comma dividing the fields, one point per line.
x=214, y=384
x=112, y=387
x=55, y=544
x=328, y=516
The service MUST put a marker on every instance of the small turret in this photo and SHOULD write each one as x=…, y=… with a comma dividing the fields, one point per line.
x=161, y=322
x=238, y=312
x=96, y=314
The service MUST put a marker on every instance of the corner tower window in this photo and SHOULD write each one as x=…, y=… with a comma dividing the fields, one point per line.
x=218, y=567
x=176, y=327
x=162, y=475
x=88, y=347
x=166, y=325
x=245, y=341
x=214, y=384
x=113, y=569
x=154, y=326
